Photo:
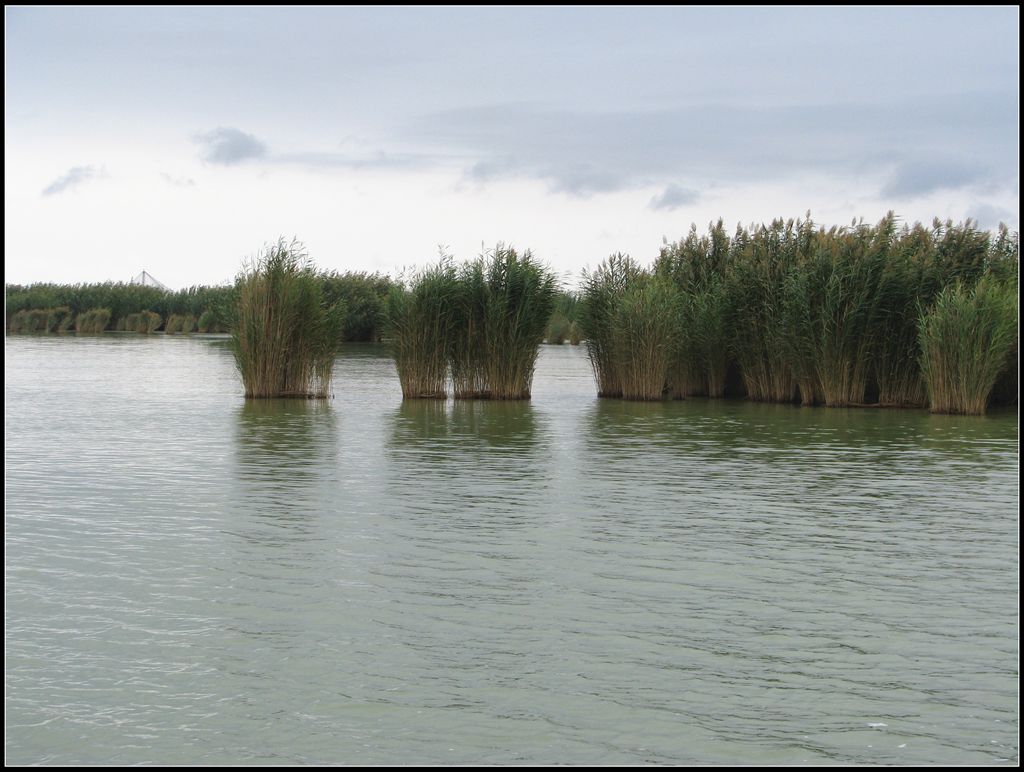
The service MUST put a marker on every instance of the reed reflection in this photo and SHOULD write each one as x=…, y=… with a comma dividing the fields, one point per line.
x=772, y=461
x=285, y=451
x=474, y=459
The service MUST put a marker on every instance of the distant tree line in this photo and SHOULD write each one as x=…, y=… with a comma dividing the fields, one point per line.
x=134, y=307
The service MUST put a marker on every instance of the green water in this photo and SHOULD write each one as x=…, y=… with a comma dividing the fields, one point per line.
x=194, y=579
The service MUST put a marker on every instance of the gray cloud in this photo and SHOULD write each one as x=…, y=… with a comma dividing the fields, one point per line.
x=989, y=217
x=378, y=160
x=585, y=152
x=674, y=197
x=919, y=178
x=228, y=146
x=75, y=176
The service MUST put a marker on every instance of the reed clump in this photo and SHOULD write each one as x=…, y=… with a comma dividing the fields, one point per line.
x=601, y=294
x=94, y=320
x=284, y=336
x=59, y=319
x=483, y=324
x=833, y=300
x=421, y=324
x=756, y=274
x=210, y=321
x=646, y=324
x=468, y=350
x=799, y=312
x=560, y=326
x=966, y=338
x=696, y=267
x=144, y=322
x=180, y=323
x=520, y=295
x=42, y=320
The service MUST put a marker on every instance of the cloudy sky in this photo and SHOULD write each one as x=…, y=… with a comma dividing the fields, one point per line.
x=181, y=140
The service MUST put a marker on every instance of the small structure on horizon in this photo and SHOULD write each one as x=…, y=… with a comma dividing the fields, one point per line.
x=147, y=280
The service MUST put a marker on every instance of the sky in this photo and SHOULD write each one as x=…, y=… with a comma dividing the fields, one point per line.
x=182, y=141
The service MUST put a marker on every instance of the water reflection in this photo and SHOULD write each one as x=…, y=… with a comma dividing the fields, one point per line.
x=285, y=451
x=465, y=426
x=567, y=580
x=476, y=462
x=709, y=458
x=726, y=428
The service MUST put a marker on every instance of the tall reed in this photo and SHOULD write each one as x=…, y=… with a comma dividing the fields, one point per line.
x=761, y=259
x=144, y=322
x=421, y=325
x=596, y=318
x=92, y=321
x=966, y=338
x=59, y=319
x=180, y=323
x=696, y=266
x=468, y=351
x=520, y=296
x=646, y=324
x=909, y=282
x=560, y=326
x=284, y=336
x=834, y=298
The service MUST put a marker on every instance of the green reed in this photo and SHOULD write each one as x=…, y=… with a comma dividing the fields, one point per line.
x=519, y=297
x=94, y=320
x=285, y=337
x=966, y=338
x=601, y=293
x=646, y=324
x=421, y=322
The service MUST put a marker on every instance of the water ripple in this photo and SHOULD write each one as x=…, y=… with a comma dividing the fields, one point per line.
x=197, y=579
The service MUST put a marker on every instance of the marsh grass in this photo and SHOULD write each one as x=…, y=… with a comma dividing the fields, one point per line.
x=59, y=319
x=1006, y=388
x=560, y=326
x=558, y=329
x=520, y=296
x=180, y=323
x=284, y=336
x=602, y=292
x=468, y=350
x=646, y=324
x=92, y=321
x=967, y=337
x=49, y=320
x=144, y=322
x=696, y=266
x=421, y=323
x=208, y=322
x=760, y=342
x=834, y=298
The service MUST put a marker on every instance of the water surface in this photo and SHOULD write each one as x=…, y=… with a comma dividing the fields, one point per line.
x=192, y=578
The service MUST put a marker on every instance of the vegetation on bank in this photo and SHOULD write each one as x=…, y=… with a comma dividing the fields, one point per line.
x=966, y=339
x=884, y=314
x=837, y=317
x=195, y=309
x=562, y=326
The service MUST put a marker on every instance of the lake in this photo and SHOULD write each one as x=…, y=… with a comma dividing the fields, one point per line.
x=192, y=578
